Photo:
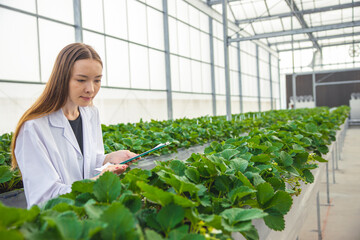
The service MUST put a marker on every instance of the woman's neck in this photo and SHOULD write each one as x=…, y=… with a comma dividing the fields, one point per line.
x=71, y=113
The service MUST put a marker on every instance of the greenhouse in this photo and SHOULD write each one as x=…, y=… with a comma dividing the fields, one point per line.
x=179, y=119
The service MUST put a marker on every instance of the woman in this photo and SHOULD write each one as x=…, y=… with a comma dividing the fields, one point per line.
x=58, y=140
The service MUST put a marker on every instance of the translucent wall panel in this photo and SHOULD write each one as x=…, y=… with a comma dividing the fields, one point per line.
x=249, y=85
x=175, y=75
x=206, y=77
x=172, y=8
x=116, y=18
x=220, y=80
x=205, y=47
x=248, y=64
x=15, y=53
x=235, y=105
x=183, y=39
x=155, y=25
x=196, y=76
x=263, y=55
x=233, y=58
x=218, y=53
x=118, y=63
x=250, y=104
x=173, y=35
x=53, y=38
x=27, y=5
x=204, y=22
x=182, y=11
x=62, y=10
x=92, y=15
x=234, y=82
x=156, y=4
x=185, y=75
x=139, y=67
x=265, y=88
x=157, y=69
x=248, y=47
x=220, y=105
x=97, y=41
x=195, y=48
x=264, y=70
x=191, y=105
x=194, y=17
x=137, y=22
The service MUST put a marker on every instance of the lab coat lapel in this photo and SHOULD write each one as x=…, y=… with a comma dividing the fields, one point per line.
x=87, y=132
x=59, y=120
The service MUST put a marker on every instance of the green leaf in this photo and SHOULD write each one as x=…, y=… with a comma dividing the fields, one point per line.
x=286, y=159
x=68, y=225
x=178, y=167
x=297, y=148
x=244, y=180
x=5, y=174
x=310, y=127
x=261, y=158
x=2, y=158
x=180, y=184
x=222, y=183
x=276, y=183
x=320, y=159
x=120, y=222
x=107, y=187
x=281, y=202
x=229, y=153
x=169, y=216
x=16, y=216
x=239, y=164
x=10, y=235
x=94, y=211
x=240, y=192
x=238, y=227
x=152, y=235
x=53, y=202
x=275, y=221
x=132, y=202
x=179, y=233
x=235, y=215
x=193, y=236
x=264, y=193
x=192, y=174
x=83, y=186
x=309, y=177
x=91, y=227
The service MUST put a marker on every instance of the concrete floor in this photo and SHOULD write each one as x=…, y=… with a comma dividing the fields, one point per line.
x=340, y=220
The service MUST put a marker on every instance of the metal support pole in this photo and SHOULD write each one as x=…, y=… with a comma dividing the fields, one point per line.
x=212, y=66
x=294, y=89
x=258, y=75
x=239, y=71
x=167, y=60
x=337, y=155
x=318, y=216
x=327, y=183
x=333, y=165
x=279, y=83
x=271, y=84
x=77, y=21
x=314, y=86
x=226, y=60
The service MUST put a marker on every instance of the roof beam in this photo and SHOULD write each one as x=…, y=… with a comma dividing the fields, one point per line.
x=308, y=11
x=297, y=31
x=317, y=38
x=214, y=2
x=294, y=8
x=324, y=45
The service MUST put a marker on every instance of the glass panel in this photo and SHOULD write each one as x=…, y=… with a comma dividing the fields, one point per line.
x=185, y=74
x=53, y=38
x=157, y=69
x=173, y=39
x=264, y=88
x=195, y=44
x=92, y=15
x=194, y=17
x=116, y=18
x=27, y=5
x=205, y=47
x=97, y=42
x=171, y=4
x=206, y=78
x=233, y=58
x=118, y=63
x=155, y=28
x=249, y=85
x=182, y=11
x=220, y=80
x=62, y=10
x=183, y=39
x=15, y=52
x=137, y=22
x=234, y=82
x=196, y=76
x=204, y=22
x=264, y=70
x=139, y=68
x=175, y=82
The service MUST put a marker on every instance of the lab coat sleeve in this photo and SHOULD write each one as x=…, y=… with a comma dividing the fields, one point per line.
x=100, y=156
x=41, y=180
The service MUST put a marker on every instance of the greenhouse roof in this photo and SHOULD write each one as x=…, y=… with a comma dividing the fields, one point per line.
x=295, y=24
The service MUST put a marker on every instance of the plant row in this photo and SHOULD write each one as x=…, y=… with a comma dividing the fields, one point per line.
x=208, y=196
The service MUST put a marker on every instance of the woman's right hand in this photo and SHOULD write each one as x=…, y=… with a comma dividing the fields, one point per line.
x=116, y=168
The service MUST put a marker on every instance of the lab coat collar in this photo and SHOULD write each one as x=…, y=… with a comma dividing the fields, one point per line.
x=58, y=119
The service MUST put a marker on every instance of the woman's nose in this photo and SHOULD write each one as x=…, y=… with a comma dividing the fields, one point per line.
x=89, y=88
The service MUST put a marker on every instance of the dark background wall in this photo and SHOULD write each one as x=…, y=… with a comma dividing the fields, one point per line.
x=330, y=95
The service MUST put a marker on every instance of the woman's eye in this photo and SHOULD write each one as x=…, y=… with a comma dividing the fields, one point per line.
x=97, y=81
x=80, y=80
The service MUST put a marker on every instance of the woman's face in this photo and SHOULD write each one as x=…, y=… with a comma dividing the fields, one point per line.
x=85, y=82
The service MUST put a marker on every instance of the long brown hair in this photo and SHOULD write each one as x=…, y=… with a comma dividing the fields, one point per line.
x=56, y=91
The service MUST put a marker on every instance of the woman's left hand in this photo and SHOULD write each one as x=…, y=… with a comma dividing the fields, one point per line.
x=120, y=156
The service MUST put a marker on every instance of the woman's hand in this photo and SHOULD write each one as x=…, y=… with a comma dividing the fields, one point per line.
x=120, y=156
x=117, y=169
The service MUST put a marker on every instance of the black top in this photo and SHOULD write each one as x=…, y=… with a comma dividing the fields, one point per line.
x=76, y=126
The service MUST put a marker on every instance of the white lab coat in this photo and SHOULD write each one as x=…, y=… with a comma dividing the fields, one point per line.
x=49, y=155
